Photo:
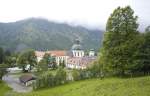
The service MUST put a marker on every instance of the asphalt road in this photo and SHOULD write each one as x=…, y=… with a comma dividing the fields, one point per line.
x=14, y=83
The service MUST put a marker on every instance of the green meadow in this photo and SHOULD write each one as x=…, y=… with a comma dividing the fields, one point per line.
x=139, y=86
x=3, y=88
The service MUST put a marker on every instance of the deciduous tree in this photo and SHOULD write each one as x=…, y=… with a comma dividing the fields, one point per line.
x=119, y=44
x=25, y=58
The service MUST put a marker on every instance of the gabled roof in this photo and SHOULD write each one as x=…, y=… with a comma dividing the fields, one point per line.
x=26, y=78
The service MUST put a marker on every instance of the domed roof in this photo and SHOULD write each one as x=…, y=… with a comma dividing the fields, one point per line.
x=91, y=49
x=77, y=46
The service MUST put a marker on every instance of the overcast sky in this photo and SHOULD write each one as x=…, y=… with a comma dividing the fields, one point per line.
x=89, y=13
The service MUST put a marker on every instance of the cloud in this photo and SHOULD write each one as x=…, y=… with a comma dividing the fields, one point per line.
x=91, y=13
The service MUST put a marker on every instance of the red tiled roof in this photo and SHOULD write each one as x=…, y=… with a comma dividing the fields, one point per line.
x=58, y=53
x=53, y=53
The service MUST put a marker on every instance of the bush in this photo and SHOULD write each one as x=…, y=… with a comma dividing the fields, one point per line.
x=76, y=75
x=47, y=79
x=81, y=74
x=2, y=70
x=61, y=76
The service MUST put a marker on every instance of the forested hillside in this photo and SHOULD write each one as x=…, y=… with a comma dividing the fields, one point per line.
x=41, y=34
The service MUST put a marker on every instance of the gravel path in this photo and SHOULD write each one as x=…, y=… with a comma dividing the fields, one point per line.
x=14, y=83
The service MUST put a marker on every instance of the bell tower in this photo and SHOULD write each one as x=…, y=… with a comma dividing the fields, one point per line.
x=77, y=49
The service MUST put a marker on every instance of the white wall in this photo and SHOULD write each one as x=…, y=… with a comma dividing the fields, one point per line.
x=75, y=66
x=61, y=59
x=78, y=53
x=39, y=59
x=91, y=53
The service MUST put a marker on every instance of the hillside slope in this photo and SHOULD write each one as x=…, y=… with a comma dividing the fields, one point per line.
x=95, y=87
x=41, y=34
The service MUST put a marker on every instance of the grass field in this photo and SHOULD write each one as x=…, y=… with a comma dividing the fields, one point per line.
x=95, y=87
x=3, y=88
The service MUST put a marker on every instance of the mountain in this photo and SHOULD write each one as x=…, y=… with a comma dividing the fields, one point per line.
x=41, y=34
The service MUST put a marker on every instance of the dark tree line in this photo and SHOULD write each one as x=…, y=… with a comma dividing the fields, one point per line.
x=5, y=56
x=1, y=55
x=5, y=61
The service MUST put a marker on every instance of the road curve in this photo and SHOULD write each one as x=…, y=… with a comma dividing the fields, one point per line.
x=14, y=83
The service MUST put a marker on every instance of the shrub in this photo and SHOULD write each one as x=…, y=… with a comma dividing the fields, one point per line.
x=2, y=70
x=47, y=79
x=61, y=76
x=76, y=75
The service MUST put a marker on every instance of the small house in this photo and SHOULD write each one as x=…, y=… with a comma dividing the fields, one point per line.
x=27, y=79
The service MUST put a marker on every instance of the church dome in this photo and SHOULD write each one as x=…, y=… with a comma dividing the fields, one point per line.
x=77, y=46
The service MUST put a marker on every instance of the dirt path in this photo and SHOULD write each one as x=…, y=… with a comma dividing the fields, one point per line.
x=14, y=83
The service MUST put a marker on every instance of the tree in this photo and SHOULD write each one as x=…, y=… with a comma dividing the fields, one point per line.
x=62, y=64
x=119, y=40
x=60, y=76
x=53, y=62
x=7, y=53
x=14, y=57
x=42, y=65
x=76, y=75
x=25, y=58
x=32, y=58
x=1, y=55
x=145, y=52
x=47, y=58
x=50, y=61
x=8, y=60
x=96, y=69
x=2, y=70
x=7, y=57
x=22, y=61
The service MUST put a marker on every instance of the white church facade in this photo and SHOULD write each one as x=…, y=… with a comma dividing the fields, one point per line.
x=78, y=59
x=73, y=59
